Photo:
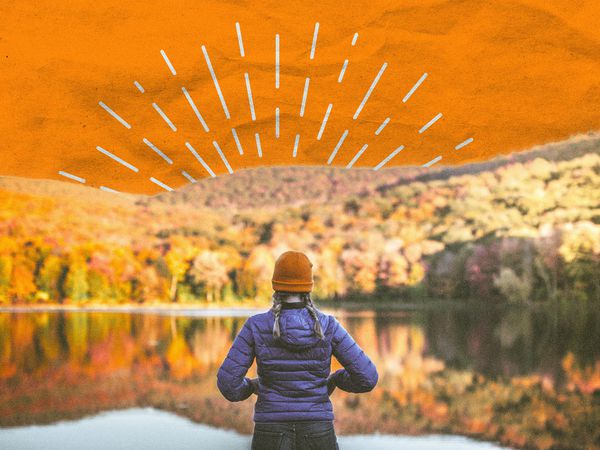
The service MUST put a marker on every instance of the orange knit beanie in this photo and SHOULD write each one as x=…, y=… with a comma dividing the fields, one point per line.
x=293, y=273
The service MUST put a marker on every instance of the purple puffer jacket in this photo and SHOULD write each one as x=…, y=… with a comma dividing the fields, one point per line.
x=293, y=370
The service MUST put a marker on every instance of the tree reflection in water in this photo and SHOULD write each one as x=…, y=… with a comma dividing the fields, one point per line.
x=525, y=378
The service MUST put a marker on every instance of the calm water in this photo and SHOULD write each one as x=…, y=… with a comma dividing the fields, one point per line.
x=482, y=373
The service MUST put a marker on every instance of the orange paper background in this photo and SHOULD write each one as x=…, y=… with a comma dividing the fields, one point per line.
x=508, y=74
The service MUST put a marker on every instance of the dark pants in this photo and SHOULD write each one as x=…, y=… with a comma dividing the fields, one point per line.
x=294, y=436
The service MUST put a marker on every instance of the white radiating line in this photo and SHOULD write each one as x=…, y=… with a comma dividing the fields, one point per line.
x=414, y=88
x=250, y=100
x=107, y=189
x=157, y=151
x=188, y=176
x=215, y=81
x=258, y=147
x=117, y=159
x=388, y=157
x=462, y=144
x=354, y=38
x=71, y=176
x=114, y=114
x=161, y=184
x=222, y=155
x=199, y=158
x=433, y=161
x=296, y=145
x=304, y=94
x=343, y=71
x=382, y=126
x=358, y=153
x=237, y=141
x=239, y=35
x=337, y=146
x=193, y=105
x=168, y=61
x=277, y=123
x=314, y=42
x=368, y=94
x=276, y=61
x=324, y=121
x=139, y=86
x=431, y=122
x=164, y=116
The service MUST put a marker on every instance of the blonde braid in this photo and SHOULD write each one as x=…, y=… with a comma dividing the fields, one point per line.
x=277, y=312
x=313, y=312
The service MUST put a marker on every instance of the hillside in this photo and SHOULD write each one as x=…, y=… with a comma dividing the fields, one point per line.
x=294, y=186
x=521, y=228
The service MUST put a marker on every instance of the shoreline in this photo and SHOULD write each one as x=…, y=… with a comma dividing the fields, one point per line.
x=216, y=309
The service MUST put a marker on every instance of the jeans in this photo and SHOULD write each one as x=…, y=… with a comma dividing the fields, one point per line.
x=309, y=435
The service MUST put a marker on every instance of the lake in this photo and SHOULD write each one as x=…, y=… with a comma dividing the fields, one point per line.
x=514, y=376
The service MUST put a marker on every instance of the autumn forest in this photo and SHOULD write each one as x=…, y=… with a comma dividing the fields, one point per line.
x=523, y=228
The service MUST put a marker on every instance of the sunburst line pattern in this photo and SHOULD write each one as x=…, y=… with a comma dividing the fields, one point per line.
x=168, y=62
x=199, y=158
x=437, y=117
x=238, y=144
x=117, y=159
x=369, y=91
x=388, y=158
x=337, y=146
x=296, y=142
x=382, y=126
x=223, y=158
x=277, y=61
x=304, y=95
x=314, y=41
x=240, y=40
x=107, y=189
x=432, y=162
x=324, y=123
x=166, y=187
x=258, y=147
x=464, y=143
x=164, y=117
x=414, y=88
x=195, y=108
x=115, y=115
x=250, y=99
x=216, y=82
x=71, y=176
x=358, y=154
x=302, y=112
x=190, y=178
x=157, y=151
x=343, y=71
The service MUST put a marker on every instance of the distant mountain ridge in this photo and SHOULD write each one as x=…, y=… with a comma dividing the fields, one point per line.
x=296, y=185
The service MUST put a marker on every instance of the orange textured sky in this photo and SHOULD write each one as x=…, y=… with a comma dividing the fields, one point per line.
x=507, y=74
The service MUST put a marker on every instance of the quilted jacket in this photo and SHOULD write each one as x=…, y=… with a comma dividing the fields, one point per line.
x=293, y=370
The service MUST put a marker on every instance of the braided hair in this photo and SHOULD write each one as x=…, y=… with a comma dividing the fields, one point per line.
x=280, y=296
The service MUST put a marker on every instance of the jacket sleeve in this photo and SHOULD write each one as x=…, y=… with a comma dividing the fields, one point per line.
x=359, y=373
x=231, y=376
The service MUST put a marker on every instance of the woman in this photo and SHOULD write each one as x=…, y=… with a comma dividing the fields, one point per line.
x=293, y=343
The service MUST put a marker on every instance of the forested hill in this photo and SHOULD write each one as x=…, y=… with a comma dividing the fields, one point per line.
x=522, y=228
x=276, y=186
x=294, y=186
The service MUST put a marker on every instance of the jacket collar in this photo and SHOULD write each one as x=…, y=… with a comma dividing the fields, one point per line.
x=292, y=305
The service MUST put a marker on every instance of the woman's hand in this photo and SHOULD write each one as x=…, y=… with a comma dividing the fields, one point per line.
x=330, y=384
x=254, y=384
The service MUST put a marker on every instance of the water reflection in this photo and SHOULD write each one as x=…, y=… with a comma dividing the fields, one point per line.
x=525, y=378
